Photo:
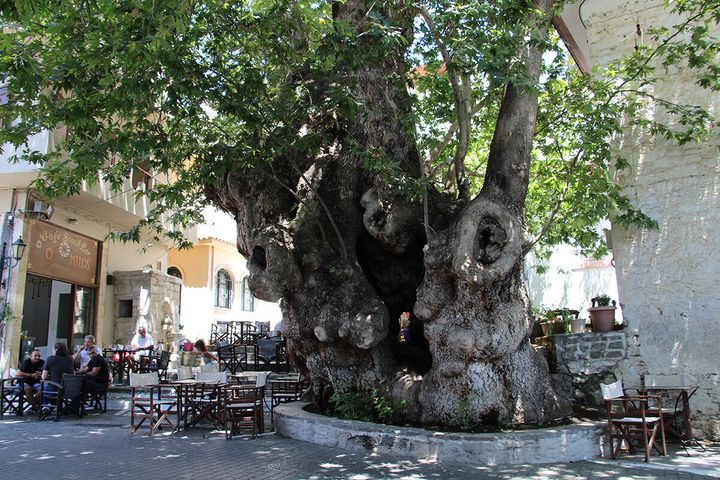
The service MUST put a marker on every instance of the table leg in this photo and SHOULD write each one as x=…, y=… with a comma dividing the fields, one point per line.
x=687, y=433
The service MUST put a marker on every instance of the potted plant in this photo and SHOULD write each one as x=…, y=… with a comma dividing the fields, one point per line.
x=602, y=313
x=577, y=325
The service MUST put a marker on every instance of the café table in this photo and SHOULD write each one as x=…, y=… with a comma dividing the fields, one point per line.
x=249, y=377
x=122, y=364
x=679, y=425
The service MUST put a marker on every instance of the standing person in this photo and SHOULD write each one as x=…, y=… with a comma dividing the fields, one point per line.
x=98, y=371
x=141, y=342
x=82, y=356
x=202, y=350
x=57, y=364
x=31, y=372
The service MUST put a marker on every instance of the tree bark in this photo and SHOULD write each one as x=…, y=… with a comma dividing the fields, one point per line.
x=346, y=255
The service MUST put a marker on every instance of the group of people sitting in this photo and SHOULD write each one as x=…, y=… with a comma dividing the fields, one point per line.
x=88, y=361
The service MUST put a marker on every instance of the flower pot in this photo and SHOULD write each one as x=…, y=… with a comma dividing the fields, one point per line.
x=602, y=318
x=577, y=325
x=537, y=330
x=545, y=328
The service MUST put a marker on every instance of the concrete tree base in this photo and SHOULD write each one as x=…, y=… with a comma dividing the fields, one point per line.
x=568, y=443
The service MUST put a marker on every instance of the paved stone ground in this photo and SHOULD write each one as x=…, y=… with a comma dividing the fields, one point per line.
x=100, y=446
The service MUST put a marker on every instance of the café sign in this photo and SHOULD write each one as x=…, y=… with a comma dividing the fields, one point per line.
x=62, y=254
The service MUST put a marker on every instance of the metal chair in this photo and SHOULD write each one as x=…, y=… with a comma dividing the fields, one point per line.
x=676, y=419
x=629, y=422
x=12, y=396
x=201, y=401
x=157, y=364
x=64, y=398
x=285, y=389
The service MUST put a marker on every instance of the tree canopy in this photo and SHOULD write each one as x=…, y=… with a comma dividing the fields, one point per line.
x=197, y=88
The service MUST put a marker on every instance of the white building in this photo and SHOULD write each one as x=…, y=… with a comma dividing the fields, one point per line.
x=667, y=277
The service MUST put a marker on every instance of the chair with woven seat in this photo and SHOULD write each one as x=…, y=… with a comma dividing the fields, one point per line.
x=153, y=402
x=630, y=420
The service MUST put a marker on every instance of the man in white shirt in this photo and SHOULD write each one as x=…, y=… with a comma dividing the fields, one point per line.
x=82, y=357
x=142, y=342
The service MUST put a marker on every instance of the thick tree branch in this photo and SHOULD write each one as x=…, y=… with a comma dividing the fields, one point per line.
x=509, y=157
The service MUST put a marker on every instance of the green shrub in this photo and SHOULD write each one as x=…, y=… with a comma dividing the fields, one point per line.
x=377, y=407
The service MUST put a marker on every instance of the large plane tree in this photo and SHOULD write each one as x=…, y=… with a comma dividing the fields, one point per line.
x=378, y=157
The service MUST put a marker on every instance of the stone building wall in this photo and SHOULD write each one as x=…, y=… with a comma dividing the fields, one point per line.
x=155, y=297
x=668, y=278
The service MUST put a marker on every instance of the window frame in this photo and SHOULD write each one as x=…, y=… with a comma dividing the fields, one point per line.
x=223, y=289
x=248, y=299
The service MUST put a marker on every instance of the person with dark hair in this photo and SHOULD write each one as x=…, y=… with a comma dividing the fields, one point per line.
x=31, y=372
x=202, y=350
x=57, y=364
x=97, y=371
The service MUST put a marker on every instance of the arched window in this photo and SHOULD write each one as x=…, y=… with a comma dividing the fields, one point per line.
x=174, y=272
x=223, y=290
x=248, y=300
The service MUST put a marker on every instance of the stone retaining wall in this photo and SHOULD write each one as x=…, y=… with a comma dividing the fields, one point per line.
x=584, y=360
x=568, y=443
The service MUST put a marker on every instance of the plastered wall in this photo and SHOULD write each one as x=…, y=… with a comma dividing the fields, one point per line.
x=668, y=278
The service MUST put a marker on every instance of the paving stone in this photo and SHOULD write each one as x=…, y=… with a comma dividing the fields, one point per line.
x=101, y=446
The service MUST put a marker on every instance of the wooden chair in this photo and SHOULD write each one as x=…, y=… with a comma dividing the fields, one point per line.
x=64, y=398
x=242, y=408
x=151, y=401
x=72, y=396
x=228, y=356
x=629, y=422
x=269, y=352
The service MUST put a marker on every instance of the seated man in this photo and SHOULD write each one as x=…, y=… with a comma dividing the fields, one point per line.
x=97, y=370
x=82, y=357
x=31, y=372
x=143, y=343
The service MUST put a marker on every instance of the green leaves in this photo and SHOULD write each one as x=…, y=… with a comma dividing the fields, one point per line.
x=191, y=90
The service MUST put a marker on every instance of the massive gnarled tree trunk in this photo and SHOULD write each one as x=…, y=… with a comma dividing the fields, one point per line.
x=346, y=255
